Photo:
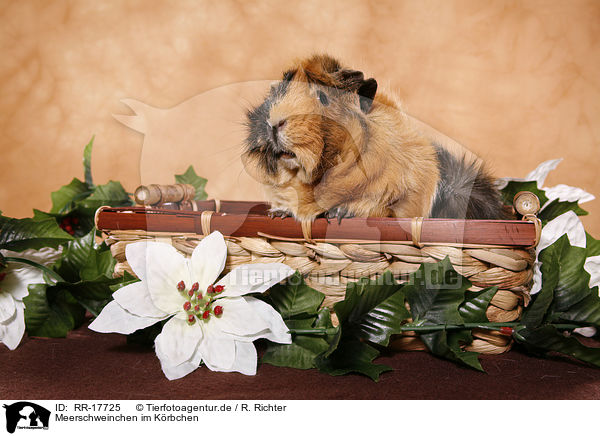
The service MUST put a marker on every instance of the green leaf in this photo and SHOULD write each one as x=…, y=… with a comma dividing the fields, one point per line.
x=300, y=354
x=373, y=310
x=74, y=256
x=564, y=282
x=87, y=163
x=557, y=208
x=352, y=356
x=51, y=311
x=475, y=305
x=63, y=200
x=587, y=311
x=99, y=265
x=548, y=338
x=21, y=234
x=110, y=194
x=513, y=187
x=295, y=297
x=448, y=345
x=435, y=291
x=191, y=178
x=592, y=246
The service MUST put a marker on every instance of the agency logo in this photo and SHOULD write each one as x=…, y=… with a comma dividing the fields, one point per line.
x=26, y=415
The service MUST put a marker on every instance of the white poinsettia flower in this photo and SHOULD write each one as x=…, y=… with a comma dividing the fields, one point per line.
x=208, y=322
x=14, y=280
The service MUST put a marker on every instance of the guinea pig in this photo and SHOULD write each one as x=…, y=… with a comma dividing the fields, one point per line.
x=325, y=143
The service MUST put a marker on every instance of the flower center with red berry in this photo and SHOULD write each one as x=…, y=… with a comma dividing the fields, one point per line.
x=198, y=306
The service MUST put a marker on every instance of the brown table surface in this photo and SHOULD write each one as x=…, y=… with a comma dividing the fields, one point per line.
x=88, y=365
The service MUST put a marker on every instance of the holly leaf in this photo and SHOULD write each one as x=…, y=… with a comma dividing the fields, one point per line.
x=87, y=163
x=21, y=234
x=51, y=311
x=434, y=293
x=63, y=200
x=475, y=305
x=592, y=246
x=373, y=310
x=74, y=256
x=449, y=346
x=191, y=178
x=547, y=338
x=565, y=283
x=557, y=208
x=300, y=354
x=295, y=297
x=351, y=356
x=110, y=194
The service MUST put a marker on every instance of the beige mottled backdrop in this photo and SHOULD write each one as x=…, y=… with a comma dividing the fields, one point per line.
x=517, y=82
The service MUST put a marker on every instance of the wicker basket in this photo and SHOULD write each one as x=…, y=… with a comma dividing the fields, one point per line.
x=331, y=254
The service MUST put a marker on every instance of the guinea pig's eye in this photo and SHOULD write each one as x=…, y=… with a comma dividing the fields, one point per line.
x=323, y=98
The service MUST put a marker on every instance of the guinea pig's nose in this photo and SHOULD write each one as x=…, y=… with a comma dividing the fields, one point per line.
x=276, y=126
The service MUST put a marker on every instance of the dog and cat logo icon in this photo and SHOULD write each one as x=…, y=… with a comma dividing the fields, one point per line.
x=26, y=415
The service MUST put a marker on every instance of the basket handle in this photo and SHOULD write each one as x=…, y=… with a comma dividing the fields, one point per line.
x=152, y=195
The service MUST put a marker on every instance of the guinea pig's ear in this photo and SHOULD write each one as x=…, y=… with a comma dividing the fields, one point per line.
x=366, y=94
x=350, y=79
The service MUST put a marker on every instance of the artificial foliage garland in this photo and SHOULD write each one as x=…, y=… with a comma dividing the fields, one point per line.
x=434, y=302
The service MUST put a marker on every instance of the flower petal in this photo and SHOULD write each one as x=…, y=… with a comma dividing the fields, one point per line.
x=217, y=348
x=245, y=358
x=115, y=319
x=568, y=193
x=542, y=170
x=136, y=258
x=165, y=267
x=208, y=259
x=277, y=331
x=13, y=329
x=7, y=306
x=254, y=278
x=238, y=318
x=539, y=174
x=18, y=277
x=592, y=266
x=135, y=299
x=181, y=370
x=177, y=342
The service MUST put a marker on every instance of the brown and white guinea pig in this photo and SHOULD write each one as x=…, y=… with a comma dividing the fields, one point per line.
x=325, y=143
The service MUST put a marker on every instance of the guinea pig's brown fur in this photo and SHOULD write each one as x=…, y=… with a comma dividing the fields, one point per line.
x=323, y=142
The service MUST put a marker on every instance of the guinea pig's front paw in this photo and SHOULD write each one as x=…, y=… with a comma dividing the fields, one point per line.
x=338, y=212
x=278, y=213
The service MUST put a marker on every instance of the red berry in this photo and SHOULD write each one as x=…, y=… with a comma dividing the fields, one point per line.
x=195, y=286
x=196, y=308
x=210, y=289
x=75, y=220
x=218, y=310
x=199, y=295
x=206, y=314
x=187, y=306
x=69, y=229
x=181, y=286
x=219, y=288
x=508, y=331
x=191, y=319
x=191, y=293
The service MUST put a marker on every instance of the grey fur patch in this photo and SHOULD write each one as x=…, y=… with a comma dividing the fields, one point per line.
x=465, y=190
